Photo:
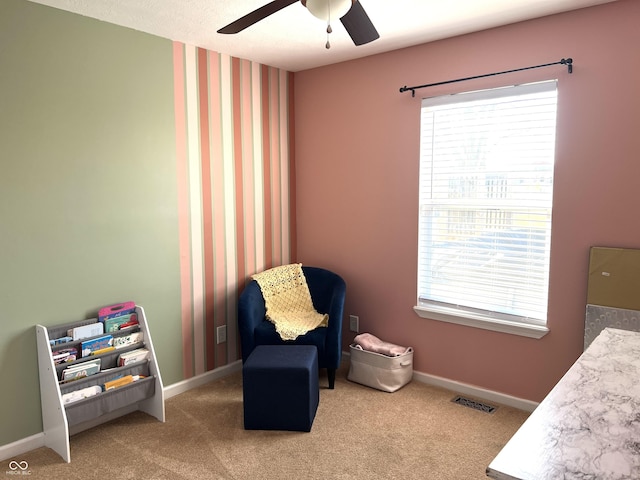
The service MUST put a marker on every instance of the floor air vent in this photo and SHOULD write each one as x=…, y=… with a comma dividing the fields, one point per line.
x=467, y=402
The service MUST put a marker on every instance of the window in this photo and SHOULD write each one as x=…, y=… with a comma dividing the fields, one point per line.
x=486, y=190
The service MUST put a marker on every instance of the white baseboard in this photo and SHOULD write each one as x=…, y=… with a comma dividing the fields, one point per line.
x=476, y=392
x=21, y=446
x=197, y=381
x=471, y=390
x=33, y=442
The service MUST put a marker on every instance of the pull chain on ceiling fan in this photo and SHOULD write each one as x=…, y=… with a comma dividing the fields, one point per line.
x=326, y=10
x=353, y=17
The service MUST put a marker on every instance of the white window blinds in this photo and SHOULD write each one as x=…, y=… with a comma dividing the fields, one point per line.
x=486, y=185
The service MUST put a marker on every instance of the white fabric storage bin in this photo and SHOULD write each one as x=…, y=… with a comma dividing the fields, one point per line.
x=380, y=371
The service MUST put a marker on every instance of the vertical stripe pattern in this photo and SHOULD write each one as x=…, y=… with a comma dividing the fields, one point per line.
x=234, y=174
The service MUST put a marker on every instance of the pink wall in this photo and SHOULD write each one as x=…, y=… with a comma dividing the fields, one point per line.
x=356, y=149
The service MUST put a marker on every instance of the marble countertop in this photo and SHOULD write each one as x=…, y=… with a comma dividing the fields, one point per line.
x=588, y=427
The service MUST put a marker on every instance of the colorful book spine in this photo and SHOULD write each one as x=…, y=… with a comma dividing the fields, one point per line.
x=103, y=350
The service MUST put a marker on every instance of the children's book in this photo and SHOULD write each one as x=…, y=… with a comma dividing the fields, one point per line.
x=127, y=340
x=89, y=346
x=81, y=394
x=133, y=356
x=118, y=382
x=57, y=341
x=86, y=331
x=116, y=323
x=81, y=370
x=64, y=355
x=117, y=310
x=121, y=381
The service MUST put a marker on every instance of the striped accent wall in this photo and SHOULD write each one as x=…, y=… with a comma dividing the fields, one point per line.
x=235, y=174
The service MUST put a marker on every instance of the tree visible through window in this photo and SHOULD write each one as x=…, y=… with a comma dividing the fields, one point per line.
x=486, y=190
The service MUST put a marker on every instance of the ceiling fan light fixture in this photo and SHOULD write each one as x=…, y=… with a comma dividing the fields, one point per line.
x=350, y=12
x=328, y=9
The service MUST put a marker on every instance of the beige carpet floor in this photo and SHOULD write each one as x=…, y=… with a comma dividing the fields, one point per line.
x=358, y=433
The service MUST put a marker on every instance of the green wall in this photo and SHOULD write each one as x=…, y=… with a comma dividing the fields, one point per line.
x=88, y=202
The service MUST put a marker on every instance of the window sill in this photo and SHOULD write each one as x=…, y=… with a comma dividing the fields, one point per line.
x=479, y=321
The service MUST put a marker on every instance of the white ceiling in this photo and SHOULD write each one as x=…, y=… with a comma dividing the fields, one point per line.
x=294, y=40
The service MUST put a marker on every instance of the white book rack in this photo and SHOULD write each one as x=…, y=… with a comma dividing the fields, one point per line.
x=60, y=420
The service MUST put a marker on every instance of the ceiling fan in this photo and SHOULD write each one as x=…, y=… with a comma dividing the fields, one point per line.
x=350, y=12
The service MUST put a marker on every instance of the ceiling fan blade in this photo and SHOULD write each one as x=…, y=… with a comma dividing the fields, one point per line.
x=255, y=16
x=359, y=26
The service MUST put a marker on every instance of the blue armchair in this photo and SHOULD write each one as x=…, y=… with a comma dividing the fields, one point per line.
x=328, y=292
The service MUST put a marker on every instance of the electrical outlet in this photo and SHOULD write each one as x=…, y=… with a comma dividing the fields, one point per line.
x=354, y=323
x=221, y=334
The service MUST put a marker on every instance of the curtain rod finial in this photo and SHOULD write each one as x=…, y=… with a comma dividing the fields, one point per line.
x=406, y=89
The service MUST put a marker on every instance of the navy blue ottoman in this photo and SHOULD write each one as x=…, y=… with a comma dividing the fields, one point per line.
x=280, y=387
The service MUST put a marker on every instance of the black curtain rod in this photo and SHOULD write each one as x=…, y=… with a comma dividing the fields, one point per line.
x=565, y=61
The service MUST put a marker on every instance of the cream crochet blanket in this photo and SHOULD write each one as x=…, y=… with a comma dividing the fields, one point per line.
x=288, y=301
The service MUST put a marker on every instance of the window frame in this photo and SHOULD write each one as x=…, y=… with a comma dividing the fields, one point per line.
x=484, y=319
